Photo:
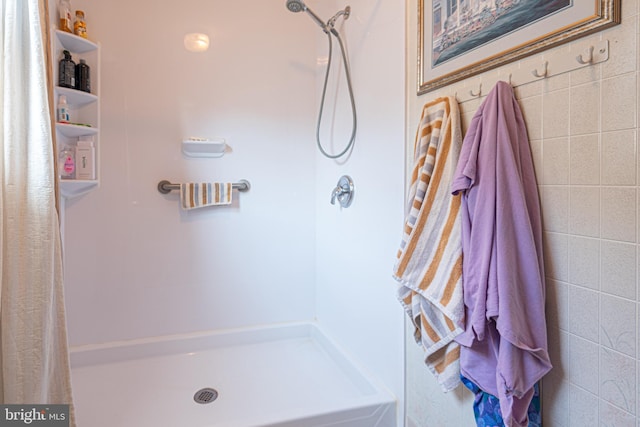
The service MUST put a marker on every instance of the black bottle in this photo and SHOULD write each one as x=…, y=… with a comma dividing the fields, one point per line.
x=67, y=71
x=83, y=81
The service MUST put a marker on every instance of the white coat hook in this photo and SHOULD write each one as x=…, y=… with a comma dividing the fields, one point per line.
x=509, y=80
x=589, y=59
x=542, y=74
x=479, y=91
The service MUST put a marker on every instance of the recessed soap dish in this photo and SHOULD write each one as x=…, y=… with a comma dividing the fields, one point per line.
x=204, y=147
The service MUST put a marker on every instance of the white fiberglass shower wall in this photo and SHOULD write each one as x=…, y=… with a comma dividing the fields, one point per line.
x=137, y=266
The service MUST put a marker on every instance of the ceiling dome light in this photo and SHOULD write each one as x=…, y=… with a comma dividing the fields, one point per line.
x=196, y=42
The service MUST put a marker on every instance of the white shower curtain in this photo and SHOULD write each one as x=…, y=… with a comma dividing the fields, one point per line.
x=34, y=361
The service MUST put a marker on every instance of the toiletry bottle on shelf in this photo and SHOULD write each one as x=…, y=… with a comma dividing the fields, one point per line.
x=83, y=81
x=63, y=110
x=85, y=158
x=67, y=71
x=64, y=9
x=80, y=26
x=67, y=164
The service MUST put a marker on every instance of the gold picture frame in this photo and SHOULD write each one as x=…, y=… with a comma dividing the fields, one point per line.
x=461, y=38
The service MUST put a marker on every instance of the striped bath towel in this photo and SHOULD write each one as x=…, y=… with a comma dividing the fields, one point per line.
x=429, y=264
x=198, y=195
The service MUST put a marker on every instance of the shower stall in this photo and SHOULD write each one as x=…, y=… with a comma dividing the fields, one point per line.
x=280, y=267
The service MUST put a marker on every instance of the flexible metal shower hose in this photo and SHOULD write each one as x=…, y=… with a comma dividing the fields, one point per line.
x=324, y=91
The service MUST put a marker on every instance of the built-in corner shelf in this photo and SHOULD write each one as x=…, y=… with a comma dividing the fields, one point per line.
x=84, y=107
x=76, y=98
x=75, y=131
x=70, y=188
x=75, y=44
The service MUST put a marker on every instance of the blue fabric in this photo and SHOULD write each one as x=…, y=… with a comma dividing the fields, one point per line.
x=486, y=407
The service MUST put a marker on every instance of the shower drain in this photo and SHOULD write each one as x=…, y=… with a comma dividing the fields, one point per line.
x=205, y=395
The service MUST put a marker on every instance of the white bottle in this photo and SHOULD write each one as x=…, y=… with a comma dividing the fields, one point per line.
x=63, y=110
x=85, y=158
x=67, y=163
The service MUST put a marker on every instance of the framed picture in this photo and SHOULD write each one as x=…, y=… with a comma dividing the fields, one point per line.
x=461, y=38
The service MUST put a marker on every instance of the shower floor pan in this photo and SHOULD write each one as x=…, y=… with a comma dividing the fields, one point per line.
x=283, y=376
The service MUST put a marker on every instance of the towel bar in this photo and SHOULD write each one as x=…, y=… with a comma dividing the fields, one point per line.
x=166, y=187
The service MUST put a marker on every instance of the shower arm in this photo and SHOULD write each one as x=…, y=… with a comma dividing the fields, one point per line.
x=331, y=23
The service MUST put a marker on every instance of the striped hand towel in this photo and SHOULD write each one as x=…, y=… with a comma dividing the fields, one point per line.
x=198, y=195
x=429, y=264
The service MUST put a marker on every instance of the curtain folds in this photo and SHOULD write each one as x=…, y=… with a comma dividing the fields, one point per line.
x=34, y=360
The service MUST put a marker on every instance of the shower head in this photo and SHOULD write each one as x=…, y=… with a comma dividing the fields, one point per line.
x=296, y=6
x=299, y=6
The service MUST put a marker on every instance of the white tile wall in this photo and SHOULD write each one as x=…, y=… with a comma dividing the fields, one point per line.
x=555, y=203
x=584, y=211
x=556, y=248
x=584, y=261
x=583, y=313
x=584, y=108
x=586, y=406
x=556, y=165
x=618, y=157
x=611, y=416
x=584, y=167
x=618, y=261
x=617, y=324
x=583, y=369
x=619, y=211
x=558, y=304
x=583, y=130
x=617, y=385
x=618, y=102
x=555, y=113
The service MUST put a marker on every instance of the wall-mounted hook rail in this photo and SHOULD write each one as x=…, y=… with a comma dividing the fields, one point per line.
x=552, y=64
x=472, y=93
x=543, y=73
x=478, y=93
x=580, y=58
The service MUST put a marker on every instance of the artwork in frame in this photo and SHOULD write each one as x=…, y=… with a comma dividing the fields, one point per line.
x=462, y=38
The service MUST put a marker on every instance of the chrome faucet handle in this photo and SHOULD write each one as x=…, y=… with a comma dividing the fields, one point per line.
x=343, y=192
x=337, y=192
